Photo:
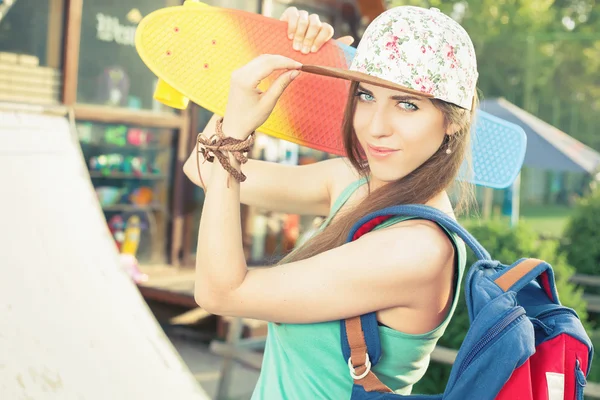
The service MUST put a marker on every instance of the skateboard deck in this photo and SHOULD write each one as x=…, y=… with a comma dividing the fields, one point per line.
x=194, y=48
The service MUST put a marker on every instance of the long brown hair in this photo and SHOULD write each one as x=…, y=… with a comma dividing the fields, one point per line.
x=433, y=176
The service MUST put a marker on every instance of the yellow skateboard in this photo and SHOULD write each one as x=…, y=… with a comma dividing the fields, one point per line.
x=194, y=48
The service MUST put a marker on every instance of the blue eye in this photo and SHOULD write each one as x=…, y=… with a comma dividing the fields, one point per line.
x=361, y=98
x=405, y=105
x=368, y=98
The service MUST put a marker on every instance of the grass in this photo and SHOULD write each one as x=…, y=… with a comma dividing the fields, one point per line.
x=548, y=221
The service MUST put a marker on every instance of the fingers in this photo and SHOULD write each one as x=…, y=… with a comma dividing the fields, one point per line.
x=301, y=28
x=291, y=16
x=275, y=91
x=324, y=35
x=261, y=67
x=317, y=34
x=347, y=40
x=308, y=33
x=314, y=28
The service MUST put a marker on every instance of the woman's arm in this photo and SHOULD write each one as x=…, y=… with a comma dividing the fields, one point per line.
x=392, y=267
x=220, y=261
x=383, y=269
x=308, y=195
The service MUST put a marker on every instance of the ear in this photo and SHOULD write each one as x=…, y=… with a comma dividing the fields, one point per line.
x=452, y=129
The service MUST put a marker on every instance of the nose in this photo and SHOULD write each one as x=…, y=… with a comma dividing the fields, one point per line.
x=379, y=125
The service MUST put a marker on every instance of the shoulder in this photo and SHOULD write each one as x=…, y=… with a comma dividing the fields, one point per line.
x=341, y=174
x=340, y=168
x=425, y=244
x=334, y=172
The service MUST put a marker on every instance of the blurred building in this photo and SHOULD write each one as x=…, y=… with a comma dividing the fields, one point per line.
x=557, y=168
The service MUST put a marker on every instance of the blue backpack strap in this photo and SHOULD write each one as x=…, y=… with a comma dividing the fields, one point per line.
x=367, y=349
x=431, y=214
x=536, y=276
x=521, y=273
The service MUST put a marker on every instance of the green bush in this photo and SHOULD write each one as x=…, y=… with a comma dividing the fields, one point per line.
x=506, y=245
x=594, y=375
x=582, y=235
x=581, y=246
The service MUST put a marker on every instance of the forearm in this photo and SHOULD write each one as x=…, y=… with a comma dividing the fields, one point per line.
x=190, y=169
x=220, y=261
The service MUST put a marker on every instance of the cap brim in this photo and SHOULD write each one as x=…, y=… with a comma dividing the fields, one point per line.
x=360, y=77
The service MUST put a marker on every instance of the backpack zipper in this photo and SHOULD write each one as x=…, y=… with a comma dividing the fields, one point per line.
x=556, y=311
x=516, y=314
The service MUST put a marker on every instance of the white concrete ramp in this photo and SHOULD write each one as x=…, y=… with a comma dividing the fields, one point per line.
x=72, y=324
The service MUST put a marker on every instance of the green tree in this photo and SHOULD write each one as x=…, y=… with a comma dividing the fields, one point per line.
x=542, y=55
x=582, y=235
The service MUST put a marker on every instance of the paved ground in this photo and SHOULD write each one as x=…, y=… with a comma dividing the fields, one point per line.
x=191, y=341
x=206, y=368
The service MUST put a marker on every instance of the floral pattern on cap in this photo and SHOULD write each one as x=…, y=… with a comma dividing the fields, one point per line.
x=421, y=49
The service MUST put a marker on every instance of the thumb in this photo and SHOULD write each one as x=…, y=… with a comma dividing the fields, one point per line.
x=276, y=90
x=347, y=40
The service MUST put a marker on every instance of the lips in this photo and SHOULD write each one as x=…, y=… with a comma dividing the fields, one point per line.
x=380, y=151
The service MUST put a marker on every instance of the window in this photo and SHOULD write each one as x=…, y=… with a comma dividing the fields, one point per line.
x=111, y=72
x=31, y=36
x=32, y=28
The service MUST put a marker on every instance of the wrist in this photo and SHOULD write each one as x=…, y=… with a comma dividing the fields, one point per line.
x=232, y=130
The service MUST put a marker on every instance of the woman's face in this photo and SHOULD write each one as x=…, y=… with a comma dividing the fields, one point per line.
x=398, y=131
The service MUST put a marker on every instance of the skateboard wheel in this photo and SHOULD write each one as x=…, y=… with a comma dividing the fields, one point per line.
x=169, y=96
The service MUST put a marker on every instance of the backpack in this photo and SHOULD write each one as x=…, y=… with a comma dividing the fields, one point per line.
x=522, y=344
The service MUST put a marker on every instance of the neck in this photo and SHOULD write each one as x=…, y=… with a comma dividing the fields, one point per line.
x=441, y=201
x=375, y=183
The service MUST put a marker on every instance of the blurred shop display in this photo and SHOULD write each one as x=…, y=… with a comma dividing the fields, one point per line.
x=31, y=34
x=130, y=170
x=271, y=235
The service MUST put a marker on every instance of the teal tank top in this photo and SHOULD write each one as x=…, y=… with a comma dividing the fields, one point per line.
x=304, y=361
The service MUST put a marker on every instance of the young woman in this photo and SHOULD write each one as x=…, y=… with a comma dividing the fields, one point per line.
x=404, y=146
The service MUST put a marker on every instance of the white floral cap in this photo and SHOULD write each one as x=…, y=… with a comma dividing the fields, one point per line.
x=417, y=50
x=420, y=49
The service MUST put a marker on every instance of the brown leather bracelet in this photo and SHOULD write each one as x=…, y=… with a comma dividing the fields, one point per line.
x=217, y=145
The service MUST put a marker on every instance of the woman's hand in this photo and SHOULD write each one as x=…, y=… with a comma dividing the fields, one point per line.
x=248, y=107
x=308, y=32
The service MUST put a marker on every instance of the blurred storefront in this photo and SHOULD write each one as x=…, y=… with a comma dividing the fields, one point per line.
x=80, y=55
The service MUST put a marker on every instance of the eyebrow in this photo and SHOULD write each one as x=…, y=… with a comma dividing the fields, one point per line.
x=397, y=97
